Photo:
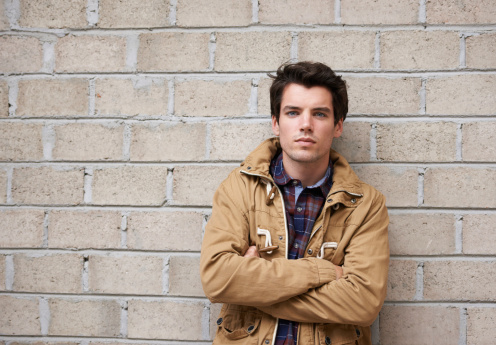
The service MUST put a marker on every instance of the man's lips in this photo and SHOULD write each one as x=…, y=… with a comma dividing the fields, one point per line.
x=305, y=140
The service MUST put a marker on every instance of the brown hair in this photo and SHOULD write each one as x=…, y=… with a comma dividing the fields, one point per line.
x=309, y=74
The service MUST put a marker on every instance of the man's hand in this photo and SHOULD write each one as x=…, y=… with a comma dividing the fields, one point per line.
x=252, y=252
x=339, y=271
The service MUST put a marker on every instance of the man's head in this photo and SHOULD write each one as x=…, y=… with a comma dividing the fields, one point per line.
x=309, y=74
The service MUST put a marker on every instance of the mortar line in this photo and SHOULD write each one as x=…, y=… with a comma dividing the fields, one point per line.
x=459, y=142
x=48, y=56
x=85, y=273
x=253, y=101
x=254, y=11
x=419, y=283
x=169, y=186
x=10, y=173
x=337, y=11
x=373, y=142
x=463, y=326
x=204, y=225
x=44, y=310
x=212, y=46
x=92, y=97
x=46, y=222
x=87, y=189
x=377, y=52
x=422, y=17
x=208, y=140
x=13, y=85
x=132, y=47
x=124, y=319
x=205, y=321
x=463, y=51
x=165, y=275
x=126, y=142
x=294, y=46
x=423, y=96
x=458, y=234
x=172, y=12
x=124, y=221
x=375, y=330
x=9, y=272
x=13, y=12
x=420, y=186
x=48, y=140
x=92, y=14
x=170, y=102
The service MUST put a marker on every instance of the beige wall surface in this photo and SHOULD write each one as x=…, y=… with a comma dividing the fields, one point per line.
x=118, y=119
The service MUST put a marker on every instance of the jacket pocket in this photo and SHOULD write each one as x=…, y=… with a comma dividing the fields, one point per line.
x=238, y=325
x=336, y=334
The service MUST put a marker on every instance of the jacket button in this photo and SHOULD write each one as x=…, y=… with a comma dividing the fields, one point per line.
x=357, y=332
x=310, y=251
x=280, y=238
x=329, y=200
x=328, y=341
x=267, y=341
x=250, y=328
x=353, y=201
x=219, y=320
x=248, y=168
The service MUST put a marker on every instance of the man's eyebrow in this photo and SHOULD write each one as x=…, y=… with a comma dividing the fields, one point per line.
x=290, y=107
x=326, y=109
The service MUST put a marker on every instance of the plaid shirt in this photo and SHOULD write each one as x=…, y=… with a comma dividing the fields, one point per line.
x=303, y=206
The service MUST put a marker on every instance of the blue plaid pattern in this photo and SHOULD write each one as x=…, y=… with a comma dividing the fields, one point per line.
x=303, y=205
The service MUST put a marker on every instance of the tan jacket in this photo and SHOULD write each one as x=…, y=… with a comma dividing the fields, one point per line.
x=350, y=231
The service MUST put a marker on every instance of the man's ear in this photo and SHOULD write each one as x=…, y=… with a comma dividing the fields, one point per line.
x=338, y=129
x=275, y=126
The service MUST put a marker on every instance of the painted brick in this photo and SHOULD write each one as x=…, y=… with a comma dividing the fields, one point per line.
x=53, y=14
x=234, y=141
x=461, y=95
x=479, y=234
x=130, y=185
x=354, y=143
x=214, y=12
x=196, y=185
x=457, y=12
x=137, y=96
x=172, y=320
x=398, y=184
x=460, y=187
x=460, y=280
x=264, y=96
x=4, y=21
x=165, y=231
x=20, y=54
x=410, y=325
x=98, y=318
x=53, y=97
x=268, y=50
x=20, y=141
x=3, y=186
x=4, y=99
x=422, y=50
x=176, y=142
x=200, y=98
x=87, y=142
x=416, y=141
x=84, y=229
x=2, y=273
x=421, y=234
x=21, y=228
x=379, y=12
x=140, y=275
x=478, y=140
x=184, y=277
x=48, y=185
x=356, y=48
x=19, y=316
x=52, y=273
x=480, y=325
x=45, y=343
x=296, y=12
x=401, y=280
x=481, y=51
x=379, y=95
x=173, y=51
x=133, y=13
x=214, y=315
x=90, y=53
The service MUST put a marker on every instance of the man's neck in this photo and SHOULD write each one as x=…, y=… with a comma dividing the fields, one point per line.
x=308, y=173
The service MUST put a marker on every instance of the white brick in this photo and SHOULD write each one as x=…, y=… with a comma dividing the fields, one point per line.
x=21, y=228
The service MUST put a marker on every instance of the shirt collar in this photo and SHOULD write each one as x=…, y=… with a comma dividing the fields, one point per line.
x=282, y=178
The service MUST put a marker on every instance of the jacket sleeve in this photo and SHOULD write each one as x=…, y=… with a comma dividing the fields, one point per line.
x=228, y=277
x=357, y=297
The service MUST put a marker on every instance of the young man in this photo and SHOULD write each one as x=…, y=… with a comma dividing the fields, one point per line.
x=297, y=246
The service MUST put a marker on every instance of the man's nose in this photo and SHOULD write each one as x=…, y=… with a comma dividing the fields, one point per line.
x=306, y=121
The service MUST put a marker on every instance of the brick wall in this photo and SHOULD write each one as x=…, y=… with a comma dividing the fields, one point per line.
x=118, y=119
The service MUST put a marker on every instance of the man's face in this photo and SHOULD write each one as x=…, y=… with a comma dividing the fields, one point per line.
x=306, y=125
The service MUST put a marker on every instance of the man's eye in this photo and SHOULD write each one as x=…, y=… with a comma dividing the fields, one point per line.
x=320, y=114
x=292, y=113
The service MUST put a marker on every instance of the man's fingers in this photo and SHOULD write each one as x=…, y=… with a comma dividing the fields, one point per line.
x=252, y=252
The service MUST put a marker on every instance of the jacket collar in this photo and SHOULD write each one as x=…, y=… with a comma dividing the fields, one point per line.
x=344, y=178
